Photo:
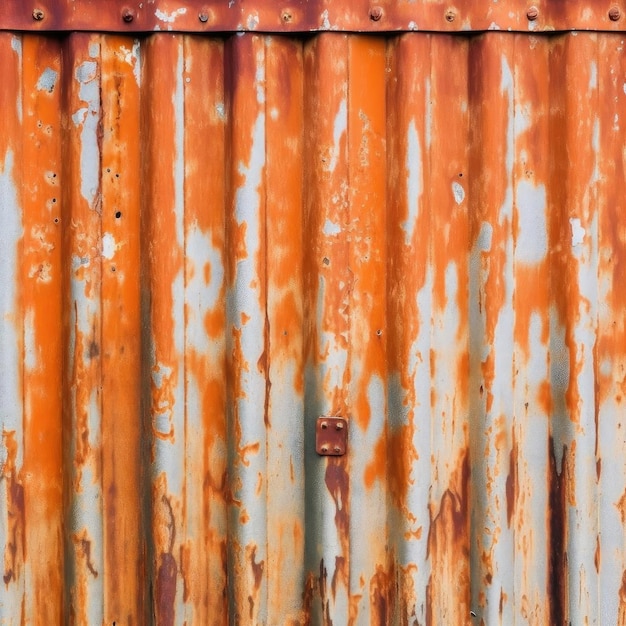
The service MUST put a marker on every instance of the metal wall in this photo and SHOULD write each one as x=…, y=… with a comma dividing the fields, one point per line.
x=206, y=243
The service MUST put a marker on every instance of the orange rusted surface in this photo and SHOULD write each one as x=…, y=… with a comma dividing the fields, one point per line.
x=207, y=243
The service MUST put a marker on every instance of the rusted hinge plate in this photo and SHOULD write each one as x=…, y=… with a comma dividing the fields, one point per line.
x=331, y=436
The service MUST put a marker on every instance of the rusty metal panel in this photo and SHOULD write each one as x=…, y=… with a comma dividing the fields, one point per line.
x=209, y=242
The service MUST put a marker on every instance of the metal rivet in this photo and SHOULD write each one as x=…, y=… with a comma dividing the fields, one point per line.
x=339, y=426
x=324, y=449
x=376, y=13
x=450, y=15
x=128, y=15
x=614, y=14
x=337, y=449
x=38, y=15
x=286, y=16
x=324, y=425
x=203, y=17
x=532, y=13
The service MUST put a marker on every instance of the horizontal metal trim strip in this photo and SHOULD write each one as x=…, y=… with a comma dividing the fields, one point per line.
x=309, y=16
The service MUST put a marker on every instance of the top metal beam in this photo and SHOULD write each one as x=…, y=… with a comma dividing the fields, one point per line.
x=299, y=16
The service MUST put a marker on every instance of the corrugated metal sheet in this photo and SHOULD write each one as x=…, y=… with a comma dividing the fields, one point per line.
x=206, y=243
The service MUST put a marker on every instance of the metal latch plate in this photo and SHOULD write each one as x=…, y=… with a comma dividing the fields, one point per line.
x=331, y=436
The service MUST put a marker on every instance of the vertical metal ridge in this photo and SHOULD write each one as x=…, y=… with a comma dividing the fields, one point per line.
x=285, y=246
x=491, y=317
x=409, y=298
x=575, y=297
x=527, y=477
x=328, y=285
x=83, y=339
x=42, y=282
x=122, y=428
x=203, y=554
x=610, y=558
x=366, y=232
x=246, y=329
x=449, y=200
x=12, y=520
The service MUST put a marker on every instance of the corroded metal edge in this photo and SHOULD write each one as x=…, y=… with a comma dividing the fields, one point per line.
x=309, y=16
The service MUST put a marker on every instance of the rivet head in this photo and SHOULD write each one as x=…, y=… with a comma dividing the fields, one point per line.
x=324, y=449
x=38, y=15
x=337, y=450
x=532, y=14
x=339, y=426
x=128, y=15
x=324, y=425
x=376, y=13
x=286, y=16
x=614, y=14
x=450, y=15
x=203, y=17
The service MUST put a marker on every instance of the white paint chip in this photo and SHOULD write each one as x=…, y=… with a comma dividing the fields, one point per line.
x=458, y=192
x=415, y=182
x=330, y=228
x=578, y=232
x=47, y=80
x=108, y=246
x=531, y=246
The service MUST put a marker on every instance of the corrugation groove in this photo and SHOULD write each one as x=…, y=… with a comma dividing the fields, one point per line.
x=206, y=243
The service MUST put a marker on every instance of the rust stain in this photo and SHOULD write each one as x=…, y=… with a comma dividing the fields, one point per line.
x=622, y=600
x=164, y=529
x=512, y=487
x=557, y=533
x=401, y=457
x=15, y=549
x=166, y=589
x=621, y=507
x=83, y=543
x=338, y=484
x=448, y=540
x=257, y=569
x=376, y=469
x=381, y=589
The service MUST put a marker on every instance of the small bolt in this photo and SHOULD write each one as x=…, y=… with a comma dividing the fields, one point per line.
x=38, y=15
x=128, y=15
x=614, y=14
x=532, y=13
x=339, y=425
x=376, y=13
x=450, y=15
x=324, y=425
x=337, y=450
x=203, y=16
x=324, y=449
x=286, y=16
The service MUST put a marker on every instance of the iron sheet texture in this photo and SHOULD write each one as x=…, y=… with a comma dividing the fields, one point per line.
x=206, y=243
